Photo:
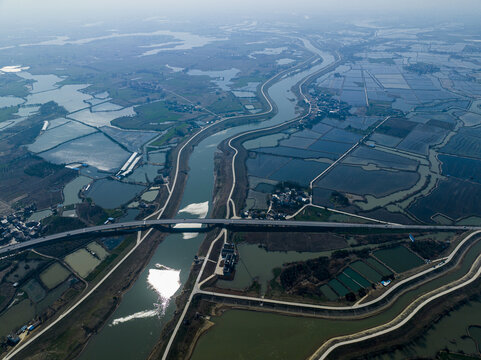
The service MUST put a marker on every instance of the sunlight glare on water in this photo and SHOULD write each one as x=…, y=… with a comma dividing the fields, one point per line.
x=165, y=282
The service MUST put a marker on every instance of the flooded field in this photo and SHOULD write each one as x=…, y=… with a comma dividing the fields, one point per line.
x=399, y=258
x=95, y=150
x=289, y=337
x=72, y=189
x=366, y=271
x=111, y=194
x=58, y=133
x=175, y=251
x=82, y=262
x=132, y=140
x=54, y=275
x=100, y=118
x=239, y=332
x=144, y=174
x=257, y=263
x=98, y=250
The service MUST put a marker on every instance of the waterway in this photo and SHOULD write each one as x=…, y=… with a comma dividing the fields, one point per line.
x=133, y=339
x=236, y=331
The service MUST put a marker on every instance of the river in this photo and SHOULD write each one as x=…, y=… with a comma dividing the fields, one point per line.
x=135, y=326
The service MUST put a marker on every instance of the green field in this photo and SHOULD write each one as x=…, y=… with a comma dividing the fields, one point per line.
x=156, y=112
x=399, y=258
x=177, y=131
x=338, y=287
x=327, y=291
x=357, y=278
x=151, y=116
x=348, y=282
x=13, y=85
x=366, y=271
x=225, y=105
x=380, y=268
x=7, y=113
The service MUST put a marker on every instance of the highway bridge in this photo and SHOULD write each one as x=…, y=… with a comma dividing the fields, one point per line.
x=202, y=225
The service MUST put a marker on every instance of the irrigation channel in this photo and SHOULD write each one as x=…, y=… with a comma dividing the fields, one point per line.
x=134, y=327
x=236, y=331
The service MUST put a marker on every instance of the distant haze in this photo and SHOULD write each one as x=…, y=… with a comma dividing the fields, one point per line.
x=12, y=11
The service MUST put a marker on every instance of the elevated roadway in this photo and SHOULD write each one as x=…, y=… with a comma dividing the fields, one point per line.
x=198, y=225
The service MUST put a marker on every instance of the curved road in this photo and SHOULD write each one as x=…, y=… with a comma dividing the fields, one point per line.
x=404, y=317
x=159, y=213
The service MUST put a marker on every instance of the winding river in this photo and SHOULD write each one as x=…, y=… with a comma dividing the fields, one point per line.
x=134, y=327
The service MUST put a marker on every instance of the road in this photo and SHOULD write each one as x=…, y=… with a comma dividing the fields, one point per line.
x=158, y=213
x=229, y=199
x=351, y=149
x=235, y=222
x=391, y=290
x=170, y=224
x=404, y=317
x=327, y=68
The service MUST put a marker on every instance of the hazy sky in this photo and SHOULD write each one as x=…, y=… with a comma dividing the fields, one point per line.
x=12, y=11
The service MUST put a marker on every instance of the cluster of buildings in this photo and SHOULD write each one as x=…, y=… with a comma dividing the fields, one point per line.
x=230, y=256
x=263, y=214
x=282, y=203
x=329, y=106
x=289, y=198
x=14, y=339
x=16, y=227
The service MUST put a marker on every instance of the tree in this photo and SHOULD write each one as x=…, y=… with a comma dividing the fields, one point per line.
x=351, y=297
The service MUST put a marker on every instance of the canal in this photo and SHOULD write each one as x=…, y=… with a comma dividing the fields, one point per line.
x=134, y=327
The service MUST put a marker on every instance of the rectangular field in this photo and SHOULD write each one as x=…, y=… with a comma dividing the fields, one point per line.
x=367, y=271
x=399, y=258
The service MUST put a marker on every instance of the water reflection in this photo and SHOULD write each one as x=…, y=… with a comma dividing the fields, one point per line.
x=165, y=282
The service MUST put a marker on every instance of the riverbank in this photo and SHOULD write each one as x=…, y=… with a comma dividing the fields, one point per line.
x=418, y=325
x=69, y=336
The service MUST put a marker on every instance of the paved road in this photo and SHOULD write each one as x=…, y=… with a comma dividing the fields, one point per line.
x=391, y=289
x=222, y=223
x=403, y=318
x=327, y=68
x=157, y=213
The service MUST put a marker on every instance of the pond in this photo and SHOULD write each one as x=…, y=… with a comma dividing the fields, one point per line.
x=256, y=262
x=111, y=194
x=95, y=150
x=82, y=262
x=72, y=189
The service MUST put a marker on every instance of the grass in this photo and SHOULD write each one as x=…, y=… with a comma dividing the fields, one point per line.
x=156, y=112
x=313, y=214
x=42, y=169
x=176, y=131
x=245, y=80
x=56, y=224
x=12, y=85
x=151, y=116
x=7, y=113
x=111, y=258
x=101, y=267
x=226, y=105
x=114, y=213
